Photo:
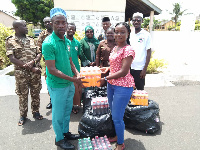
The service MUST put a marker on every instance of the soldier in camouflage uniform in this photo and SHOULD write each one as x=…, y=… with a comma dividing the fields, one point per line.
x=25, y=56
x=41, y=38
x=45, y=33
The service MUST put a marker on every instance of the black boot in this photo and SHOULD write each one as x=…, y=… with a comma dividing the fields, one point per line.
x=69, y=136
x=65, y=145
x=49, y=106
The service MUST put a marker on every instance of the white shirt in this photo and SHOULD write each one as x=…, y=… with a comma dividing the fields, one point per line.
x=140, y=42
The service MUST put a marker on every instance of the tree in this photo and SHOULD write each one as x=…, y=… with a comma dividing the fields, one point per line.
x=177, y=12
x=197, y=25
x=146, y=22
x=33, y=11
x=155, y=23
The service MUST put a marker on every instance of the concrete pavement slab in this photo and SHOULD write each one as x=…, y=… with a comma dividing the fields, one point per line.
x=179, y=113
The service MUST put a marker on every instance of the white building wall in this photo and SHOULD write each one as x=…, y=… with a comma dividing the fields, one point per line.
x=94, y=19
x=91, y=12
x=92, y=5
x=179, y=49
x=6, y=19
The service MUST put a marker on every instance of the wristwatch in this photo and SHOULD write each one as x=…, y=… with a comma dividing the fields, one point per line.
x=105, y=78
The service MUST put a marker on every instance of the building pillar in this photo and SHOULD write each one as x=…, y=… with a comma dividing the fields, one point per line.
x=151, y=21
x=129, y=21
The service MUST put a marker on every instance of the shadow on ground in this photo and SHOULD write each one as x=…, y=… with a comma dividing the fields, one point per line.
x=36, y=126
x=134, y=144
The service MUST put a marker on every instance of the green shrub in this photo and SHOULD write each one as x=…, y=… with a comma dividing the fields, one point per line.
x=170, y=28
x=12, y=73
x=4, y=33
x=79, y=35
x=42, y=63
x=177, y=28
x=156, y=65
x=31, y=30
x=197, y=26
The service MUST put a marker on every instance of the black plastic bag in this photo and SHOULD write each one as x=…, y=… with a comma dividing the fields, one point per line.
x=91, y=126
x=143, y=118
x=87, y=99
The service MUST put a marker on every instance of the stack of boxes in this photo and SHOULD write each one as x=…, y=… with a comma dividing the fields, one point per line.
x=139, y=97
x=92, y=75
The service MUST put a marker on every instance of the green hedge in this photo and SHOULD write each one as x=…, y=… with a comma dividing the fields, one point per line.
x=156, y=65
x=4, y=33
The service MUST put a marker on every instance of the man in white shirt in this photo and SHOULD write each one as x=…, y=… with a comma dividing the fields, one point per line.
x=140, y=40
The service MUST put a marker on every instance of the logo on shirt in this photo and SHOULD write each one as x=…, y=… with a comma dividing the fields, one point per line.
x=141, y=40
x=68, y=48
x=76, y=48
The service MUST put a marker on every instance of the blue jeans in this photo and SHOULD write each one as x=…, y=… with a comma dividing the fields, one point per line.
x=62, y=102
x=118, y=98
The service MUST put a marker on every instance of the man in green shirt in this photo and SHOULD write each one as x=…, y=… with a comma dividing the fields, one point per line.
x=75, y=50
x=60, y=78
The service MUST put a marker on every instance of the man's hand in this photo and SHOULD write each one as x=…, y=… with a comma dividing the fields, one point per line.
x=29, y=65
x=143, y=74
x=36, y=70
x=92, y=64
x=78, y=80
x=79, y=75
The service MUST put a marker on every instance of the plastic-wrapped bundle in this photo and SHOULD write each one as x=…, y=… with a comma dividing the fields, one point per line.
x=91, y=126
x=143, y=118
x=100, y=106
x=93, y=92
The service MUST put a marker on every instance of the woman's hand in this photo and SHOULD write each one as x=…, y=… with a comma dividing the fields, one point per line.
x=102, y=81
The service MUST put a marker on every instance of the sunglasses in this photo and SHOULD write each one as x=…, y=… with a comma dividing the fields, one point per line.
x=138, y=20
x=89, y=31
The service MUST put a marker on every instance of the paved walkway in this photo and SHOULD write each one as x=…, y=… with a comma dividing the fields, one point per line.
x=179, y=112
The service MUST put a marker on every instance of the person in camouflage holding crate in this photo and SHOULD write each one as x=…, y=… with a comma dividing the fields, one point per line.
x=41, y=38
x=25, y=56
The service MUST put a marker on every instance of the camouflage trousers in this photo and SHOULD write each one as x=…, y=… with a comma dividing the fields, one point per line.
x=26, y=80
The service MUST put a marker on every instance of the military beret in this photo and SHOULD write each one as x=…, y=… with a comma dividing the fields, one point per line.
x=105, y=19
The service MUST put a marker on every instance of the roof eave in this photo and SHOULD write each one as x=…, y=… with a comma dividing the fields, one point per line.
x=154, y=7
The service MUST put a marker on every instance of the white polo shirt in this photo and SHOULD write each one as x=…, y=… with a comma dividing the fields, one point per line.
x=140, y=42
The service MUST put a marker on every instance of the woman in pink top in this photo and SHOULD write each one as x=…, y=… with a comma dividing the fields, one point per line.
x=120, y=81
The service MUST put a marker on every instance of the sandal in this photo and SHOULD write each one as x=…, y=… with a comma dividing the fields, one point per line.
x=22, y=120
x=37, y=116
x=123, y=146
x=112, y=139
x=74, y=110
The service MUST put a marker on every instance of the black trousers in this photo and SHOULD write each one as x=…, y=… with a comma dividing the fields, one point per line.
x=139, y=83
